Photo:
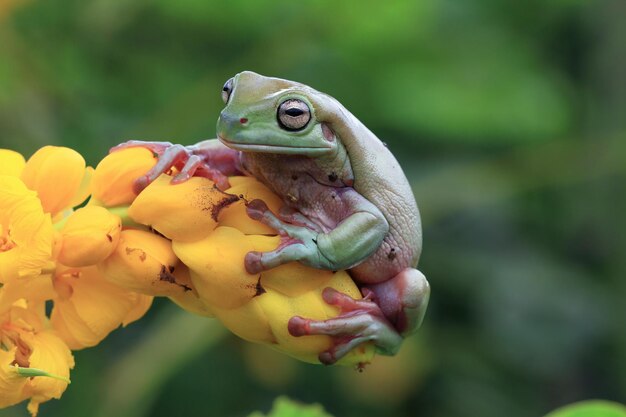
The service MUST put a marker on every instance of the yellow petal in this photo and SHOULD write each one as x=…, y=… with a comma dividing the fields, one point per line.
x=11, y=163
x=56, y=173
x=84, y=189
x=11, y=383
x=88, y=307
x=37, y=289
x=89, y=236
x=113, y=180
x=25, y=231
x=142, y=262
x=185, y=212
x=217, y=266
x=49, y=354
x=235, y=215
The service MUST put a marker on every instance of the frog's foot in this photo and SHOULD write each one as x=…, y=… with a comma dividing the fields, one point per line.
x=292, y=216
x=188, y=161
x=359, y=321
x=298, y=243
x=403, y=299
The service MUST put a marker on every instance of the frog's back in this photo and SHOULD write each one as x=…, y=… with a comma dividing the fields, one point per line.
x=379, y=178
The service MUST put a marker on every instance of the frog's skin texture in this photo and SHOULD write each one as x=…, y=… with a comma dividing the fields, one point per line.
x=348, y=205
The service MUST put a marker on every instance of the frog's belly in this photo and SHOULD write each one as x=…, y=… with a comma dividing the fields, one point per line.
x=396, y=252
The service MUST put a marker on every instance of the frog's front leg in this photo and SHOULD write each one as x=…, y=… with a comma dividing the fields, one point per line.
x=390, y=311
x=209, y=158
x=354, y=239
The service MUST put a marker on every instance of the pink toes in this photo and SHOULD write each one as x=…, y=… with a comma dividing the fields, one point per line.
x=256, y=209
x=253, y=263
x=298, y=326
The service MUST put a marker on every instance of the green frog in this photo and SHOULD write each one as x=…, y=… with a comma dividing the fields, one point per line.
x=347, y=203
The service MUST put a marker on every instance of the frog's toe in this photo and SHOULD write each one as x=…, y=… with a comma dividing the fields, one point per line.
x=173, y=155
x=257, y=209
x=288, y=251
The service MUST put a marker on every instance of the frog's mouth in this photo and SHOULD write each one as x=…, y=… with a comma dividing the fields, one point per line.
x=276, y=149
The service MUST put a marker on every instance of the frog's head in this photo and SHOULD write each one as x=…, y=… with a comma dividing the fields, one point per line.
x=271, y=115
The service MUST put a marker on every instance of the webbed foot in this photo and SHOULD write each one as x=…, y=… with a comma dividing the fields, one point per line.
x=359, y=321
x=298, y=243
x=390, y=311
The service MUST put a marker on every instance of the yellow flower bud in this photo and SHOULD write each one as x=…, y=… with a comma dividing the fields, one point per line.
x=115, y=175
x=235, y=215
x=88, y=307
x=184, y=212
x=11, y=163
x=142, y=262
x=56, y=173
x=248, y=321
x=89, y=236
x=217, y=267
x=279, y=309
x=257, y=307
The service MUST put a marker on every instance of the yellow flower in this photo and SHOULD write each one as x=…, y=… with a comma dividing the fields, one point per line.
x=25, y=232
x=143, y=262
x=59, y=176
x=89, y=235
x=217, y=268
x=11, y=163
x=115, y=175
x=30, y=352
x=88, y=307
x=185, y=212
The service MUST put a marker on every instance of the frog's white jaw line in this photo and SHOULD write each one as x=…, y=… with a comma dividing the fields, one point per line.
x=276, y=149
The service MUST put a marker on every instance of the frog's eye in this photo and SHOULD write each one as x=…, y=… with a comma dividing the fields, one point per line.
x=226, y=90
x=293, y=114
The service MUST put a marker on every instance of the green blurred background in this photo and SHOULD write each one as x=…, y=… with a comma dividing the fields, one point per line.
x=508, y=117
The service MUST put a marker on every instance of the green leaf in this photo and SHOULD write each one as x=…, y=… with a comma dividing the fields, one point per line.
x=592, y=408
x=284, y=407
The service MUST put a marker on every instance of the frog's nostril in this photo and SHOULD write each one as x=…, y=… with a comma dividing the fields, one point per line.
x=243, y=120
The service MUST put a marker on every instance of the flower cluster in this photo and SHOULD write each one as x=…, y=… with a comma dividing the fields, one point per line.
x=53, y=296
x=69, y=276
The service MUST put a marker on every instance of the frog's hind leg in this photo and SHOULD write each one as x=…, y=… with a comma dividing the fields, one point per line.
x=389, y=312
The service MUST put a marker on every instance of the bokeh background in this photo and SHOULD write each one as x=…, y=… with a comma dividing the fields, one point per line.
x=508, y=117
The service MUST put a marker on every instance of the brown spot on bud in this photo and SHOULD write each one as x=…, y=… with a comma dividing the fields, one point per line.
x=392, y=254
x=332, y=177
x=226, y=201
x=259, y=288
x=166, y=275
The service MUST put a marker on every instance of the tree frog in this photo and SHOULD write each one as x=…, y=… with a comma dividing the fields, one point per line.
x=347, y=203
